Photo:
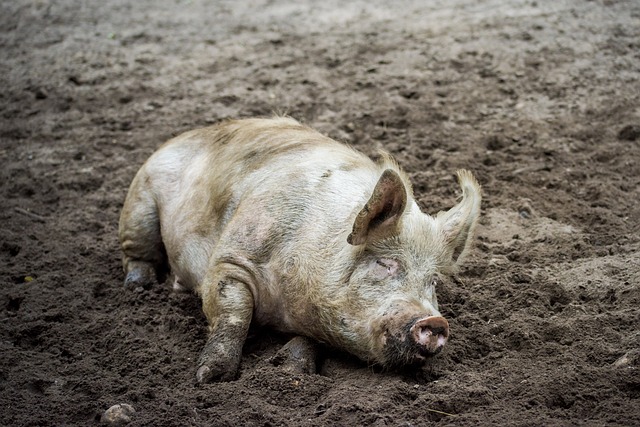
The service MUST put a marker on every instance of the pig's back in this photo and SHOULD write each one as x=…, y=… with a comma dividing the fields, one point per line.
x=265, y=175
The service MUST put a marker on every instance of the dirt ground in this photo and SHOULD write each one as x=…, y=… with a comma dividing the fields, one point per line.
x=541, y=100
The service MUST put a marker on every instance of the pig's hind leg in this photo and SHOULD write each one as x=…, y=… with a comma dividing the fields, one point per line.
x=140, y=239
x=228, y=305
x=298, y=356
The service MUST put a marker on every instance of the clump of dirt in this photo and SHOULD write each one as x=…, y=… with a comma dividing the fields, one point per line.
x=542, y=103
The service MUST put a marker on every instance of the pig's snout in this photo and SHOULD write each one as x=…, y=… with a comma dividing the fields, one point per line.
x=430, y=334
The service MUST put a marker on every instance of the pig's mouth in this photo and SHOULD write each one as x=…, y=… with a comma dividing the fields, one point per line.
x=408, y=355
x=402, y=349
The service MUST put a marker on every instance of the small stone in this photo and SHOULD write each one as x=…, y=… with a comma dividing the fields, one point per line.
x=525, y=210
x=495, y=143
x=40, y=93
x=320, y=409
x=525, y=214
x=629, y=133
x=118, y=415
x=630, y=358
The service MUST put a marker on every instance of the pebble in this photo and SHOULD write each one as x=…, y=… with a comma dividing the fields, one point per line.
x=629, y=133
x=628, y=359
x=118, y=414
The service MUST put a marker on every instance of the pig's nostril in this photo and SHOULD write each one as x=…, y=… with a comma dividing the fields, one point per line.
x=438, y=325
x=437, y=330
x=431, y=332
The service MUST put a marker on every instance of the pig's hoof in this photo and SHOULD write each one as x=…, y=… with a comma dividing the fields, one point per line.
x=206, y=374
x=298, y=356
x=203, y=375
x=140, y=275
x=218, y=362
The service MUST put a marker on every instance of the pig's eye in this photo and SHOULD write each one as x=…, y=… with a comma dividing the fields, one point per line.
x=385, y=267
x=435, y=282
x=384, y=263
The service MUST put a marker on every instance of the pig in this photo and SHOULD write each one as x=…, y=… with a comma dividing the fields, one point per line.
x=271, y=222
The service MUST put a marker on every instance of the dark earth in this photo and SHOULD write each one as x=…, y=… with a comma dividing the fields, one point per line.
x=540, y=99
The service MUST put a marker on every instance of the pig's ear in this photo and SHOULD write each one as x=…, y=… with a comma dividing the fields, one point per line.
x=380, y=216
x=458, y=224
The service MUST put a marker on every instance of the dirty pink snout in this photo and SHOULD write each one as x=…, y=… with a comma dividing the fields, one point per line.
x=431, y=333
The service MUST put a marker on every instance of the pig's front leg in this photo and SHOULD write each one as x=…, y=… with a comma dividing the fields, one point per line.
x=228, y=305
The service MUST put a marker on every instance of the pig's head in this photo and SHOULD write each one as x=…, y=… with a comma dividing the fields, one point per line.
x=402, y=255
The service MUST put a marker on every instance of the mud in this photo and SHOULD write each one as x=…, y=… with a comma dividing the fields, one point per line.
x=540, y=99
